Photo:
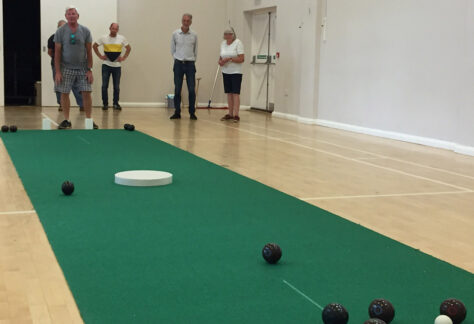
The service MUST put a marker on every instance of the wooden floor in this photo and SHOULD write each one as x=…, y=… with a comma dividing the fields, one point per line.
x=420, y=196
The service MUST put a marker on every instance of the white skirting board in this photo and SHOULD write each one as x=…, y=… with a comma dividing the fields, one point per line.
x=458, y=148
x=164, y=105
x=143, y=104
x=463, y=149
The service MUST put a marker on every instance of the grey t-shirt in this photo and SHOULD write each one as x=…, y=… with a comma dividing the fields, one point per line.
x=73, y=50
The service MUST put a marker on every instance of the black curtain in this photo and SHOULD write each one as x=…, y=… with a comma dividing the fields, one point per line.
x=22, y=50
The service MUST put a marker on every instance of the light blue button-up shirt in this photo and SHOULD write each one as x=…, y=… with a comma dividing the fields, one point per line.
x=184, y=45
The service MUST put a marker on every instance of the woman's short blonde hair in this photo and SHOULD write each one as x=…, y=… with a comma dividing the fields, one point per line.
x=230, y=31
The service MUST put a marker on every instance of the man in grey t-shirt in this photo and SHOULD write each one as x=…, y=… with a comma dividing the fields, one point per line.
x=73, y=63
x=77, y=93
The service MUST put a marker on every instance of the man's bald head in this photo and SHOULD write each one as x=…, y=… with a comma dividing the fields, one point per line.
x=114, y=28
x=61, y=22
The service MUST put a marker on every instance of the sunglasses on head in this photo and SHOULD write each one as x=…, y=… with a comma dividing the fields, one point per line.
x=73, y=39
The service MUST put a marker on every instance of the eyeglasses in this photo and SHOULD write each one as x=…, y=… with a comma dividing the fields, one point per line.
x=73, y=39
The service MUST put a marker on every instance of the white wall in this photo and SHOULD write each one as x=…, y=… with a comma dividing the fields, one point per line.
x=401, y=66
x=297, y=40
x=97, y=16
x=147, y=76
x=466, y=115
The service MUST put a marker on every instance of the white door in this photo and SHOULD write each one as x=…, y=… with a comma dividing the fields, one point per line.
x=97, y=16
x=262, y=88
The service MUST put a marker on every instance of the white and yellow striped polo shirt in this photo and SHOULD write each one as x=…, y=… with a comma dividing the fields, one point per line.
x=113, y=47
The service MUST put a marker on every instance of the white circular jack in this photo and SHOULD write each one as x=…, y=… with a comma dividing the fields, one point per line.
x=143, y=178
x=443, y=319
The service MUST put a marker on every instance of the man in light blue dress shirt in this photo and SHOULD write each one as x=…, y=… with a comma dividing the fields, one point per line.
x=184, y=45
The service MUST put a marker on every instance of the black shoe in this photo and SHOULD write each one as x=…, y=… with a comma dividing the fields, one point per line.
x=94, y=126
x=193, y=117
x=117, y=107
x=176, y=116
x=81, y=108
x=60, y=108
x=65, y=125
x=105, y=107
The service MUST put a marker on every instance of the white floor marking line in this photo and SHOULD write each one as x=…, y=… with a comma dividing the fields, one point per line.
x=18, y=212
x=349, y=159
x=371, y=158
x=385, y=157
x=52, y=121
x=209, y=139
x=83, y=139
x=415, y=194
x=370, y=153
x=303, y=295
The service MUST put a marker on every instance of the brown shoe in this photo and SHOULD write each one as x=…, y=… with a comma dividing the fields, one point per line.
x=227, y=117
x=236, y=119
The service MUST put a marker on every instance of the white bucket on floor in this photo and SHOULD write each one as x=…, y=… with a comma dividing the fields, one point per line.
x=89, y=123
x=46, y=124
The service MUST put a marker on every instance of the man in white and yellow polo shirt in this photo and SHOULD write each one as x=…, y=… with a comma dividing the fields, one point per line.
x=113, y=45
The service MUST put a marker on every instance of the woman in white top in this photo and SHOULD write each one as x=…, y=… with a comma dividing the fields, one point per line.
x=231, y=59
